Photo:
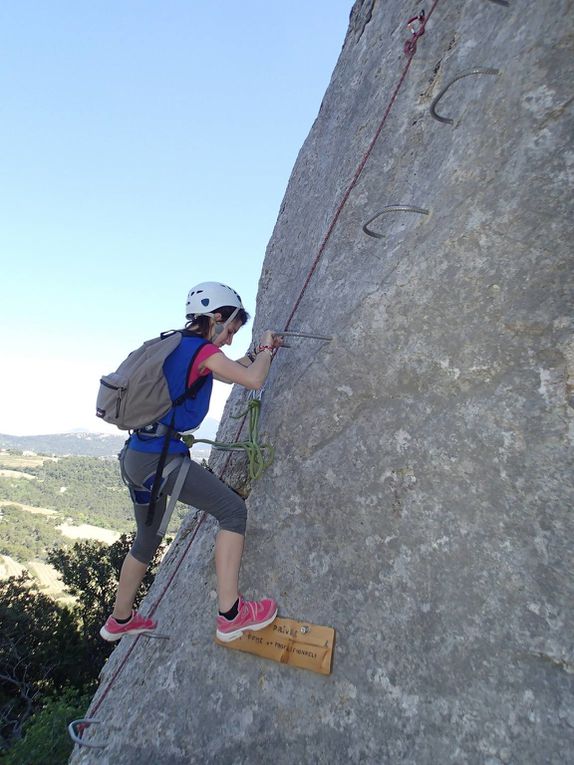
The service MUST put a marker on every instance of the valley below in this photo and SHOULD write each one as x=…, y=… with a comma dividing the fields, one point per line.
x=47, y=502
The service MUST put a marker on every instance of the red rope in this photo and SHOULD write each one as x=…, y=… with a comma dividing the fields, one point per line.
x=410, y=46
x=410, y=50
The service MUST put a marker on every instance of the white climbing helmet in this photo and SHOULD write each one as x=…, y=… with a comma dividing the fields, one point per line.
x=207, y=297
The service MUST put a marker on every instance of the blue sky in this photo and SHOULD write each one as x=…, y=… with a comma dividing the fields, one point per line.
x=145, y=147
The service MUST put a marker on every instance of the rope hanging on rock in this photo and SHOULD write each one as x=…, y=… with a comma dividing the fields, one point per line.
x=259, y=456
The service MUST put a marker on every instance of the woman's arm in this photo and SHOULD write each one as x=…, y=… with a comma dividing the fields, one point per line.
x=251, y=377
x=245, y=361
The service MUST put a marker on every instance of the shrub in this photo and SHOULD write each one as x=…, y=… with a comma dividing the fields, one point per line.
x=45, y=739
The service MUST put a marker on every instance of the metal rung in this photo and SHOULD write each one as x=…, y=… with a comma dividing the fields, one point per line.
x=301, y=334
x=388, y=209
x=75, y=736
x=505, y=3
x=477, y=70
x=154, y=635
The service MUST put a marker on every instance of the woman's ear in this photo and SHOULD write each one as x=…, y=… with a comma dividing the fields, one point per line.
x=217, y=323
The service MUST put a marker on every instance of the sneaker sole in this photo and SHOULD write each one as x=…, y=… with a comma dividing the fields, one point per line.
x=227, y=637
x=111, y=637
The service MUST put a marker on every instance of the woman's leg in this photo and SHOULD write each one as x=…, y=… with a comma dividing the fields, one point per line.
x=138, y=559
x=228, y=551
x=131, y=576
x=139, y=468
x=205, y=491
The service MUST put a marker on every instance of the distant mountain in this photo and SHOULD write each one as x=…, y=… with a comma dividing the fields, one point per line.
x=83, y=444
x=207, y=429
x=64, y=444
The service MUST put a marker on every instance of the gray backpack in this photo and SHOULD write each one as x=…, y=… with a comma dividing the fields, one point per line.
x=137, y=393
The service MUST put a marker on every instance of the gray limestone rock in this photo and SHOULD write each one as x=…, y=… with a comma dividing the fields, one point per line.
x=421, y=496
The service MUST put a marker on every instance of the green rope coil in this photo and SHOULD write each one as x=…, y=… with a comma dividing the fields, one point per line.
x=259, y=456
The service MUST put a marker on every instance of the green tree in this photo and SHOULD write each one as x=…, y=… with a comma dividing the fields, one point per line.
x=26, y=536
x=48, y=652
x=40, y=650
x=45, y=738
x=90, y=571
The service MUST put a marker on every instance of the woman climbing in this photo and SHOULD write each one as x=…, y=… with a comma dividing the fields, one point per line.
x=214, y=314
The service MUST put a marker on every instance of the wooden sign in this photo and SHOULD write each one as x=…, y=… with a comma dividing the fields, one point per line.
x=299, y=644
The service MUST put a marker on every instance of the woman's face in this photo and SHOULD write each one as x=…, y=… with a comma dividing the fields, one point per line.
x=226, y=337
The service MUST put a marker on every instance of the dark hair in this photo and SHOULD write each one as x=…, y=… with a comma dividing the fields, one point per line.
x=201, y=322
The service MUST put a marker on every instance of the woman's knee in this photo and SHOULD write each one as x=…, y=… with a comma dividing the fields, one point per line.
x=147, y=540
x=235, y=517
x=205, y=491
x=144, y=548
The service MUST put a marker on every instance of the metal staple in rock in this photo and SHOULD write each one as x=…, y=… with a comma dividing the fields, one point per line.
x=388, y=209
x=476, y=70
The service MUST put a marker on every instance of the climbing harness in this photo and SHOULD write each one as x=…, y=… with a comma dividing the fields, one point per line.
x=142, y=492
x=388, y=209
x=259, y=456
x=477, y=70
x=183, y=463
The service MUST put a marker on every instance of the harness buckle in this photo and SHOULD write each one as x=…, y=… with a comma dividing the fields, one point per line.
x=156, y=430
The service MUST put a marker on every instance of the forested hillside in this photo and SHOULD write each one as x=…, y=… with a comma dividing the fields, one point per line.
x=87, y=489
x=38, y=495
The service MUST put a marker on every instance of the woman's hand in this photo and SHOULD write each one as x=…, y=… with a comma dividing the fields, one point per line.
x=252, y=376
x=271, y=340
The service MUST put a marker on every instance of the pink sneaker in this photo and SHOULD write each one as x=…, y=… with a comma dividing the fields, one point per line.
x=136, y=626
x=253, y=615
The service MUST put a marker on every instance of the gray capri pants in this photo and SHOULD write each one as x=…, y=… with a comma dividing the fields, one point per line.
x=201, y=490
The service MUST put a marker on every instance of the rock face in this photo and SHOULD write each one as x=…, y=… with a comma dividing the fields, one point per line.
x=421, y=497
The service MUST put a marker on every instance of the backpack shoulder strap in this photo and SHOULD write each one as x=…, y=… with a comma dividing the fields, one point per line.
x=192, y=390
x=189, y=392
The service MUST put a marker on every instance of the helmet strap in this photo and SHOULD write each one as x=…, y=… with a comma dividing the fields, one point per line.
x=219, y=327
x=233, y=315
